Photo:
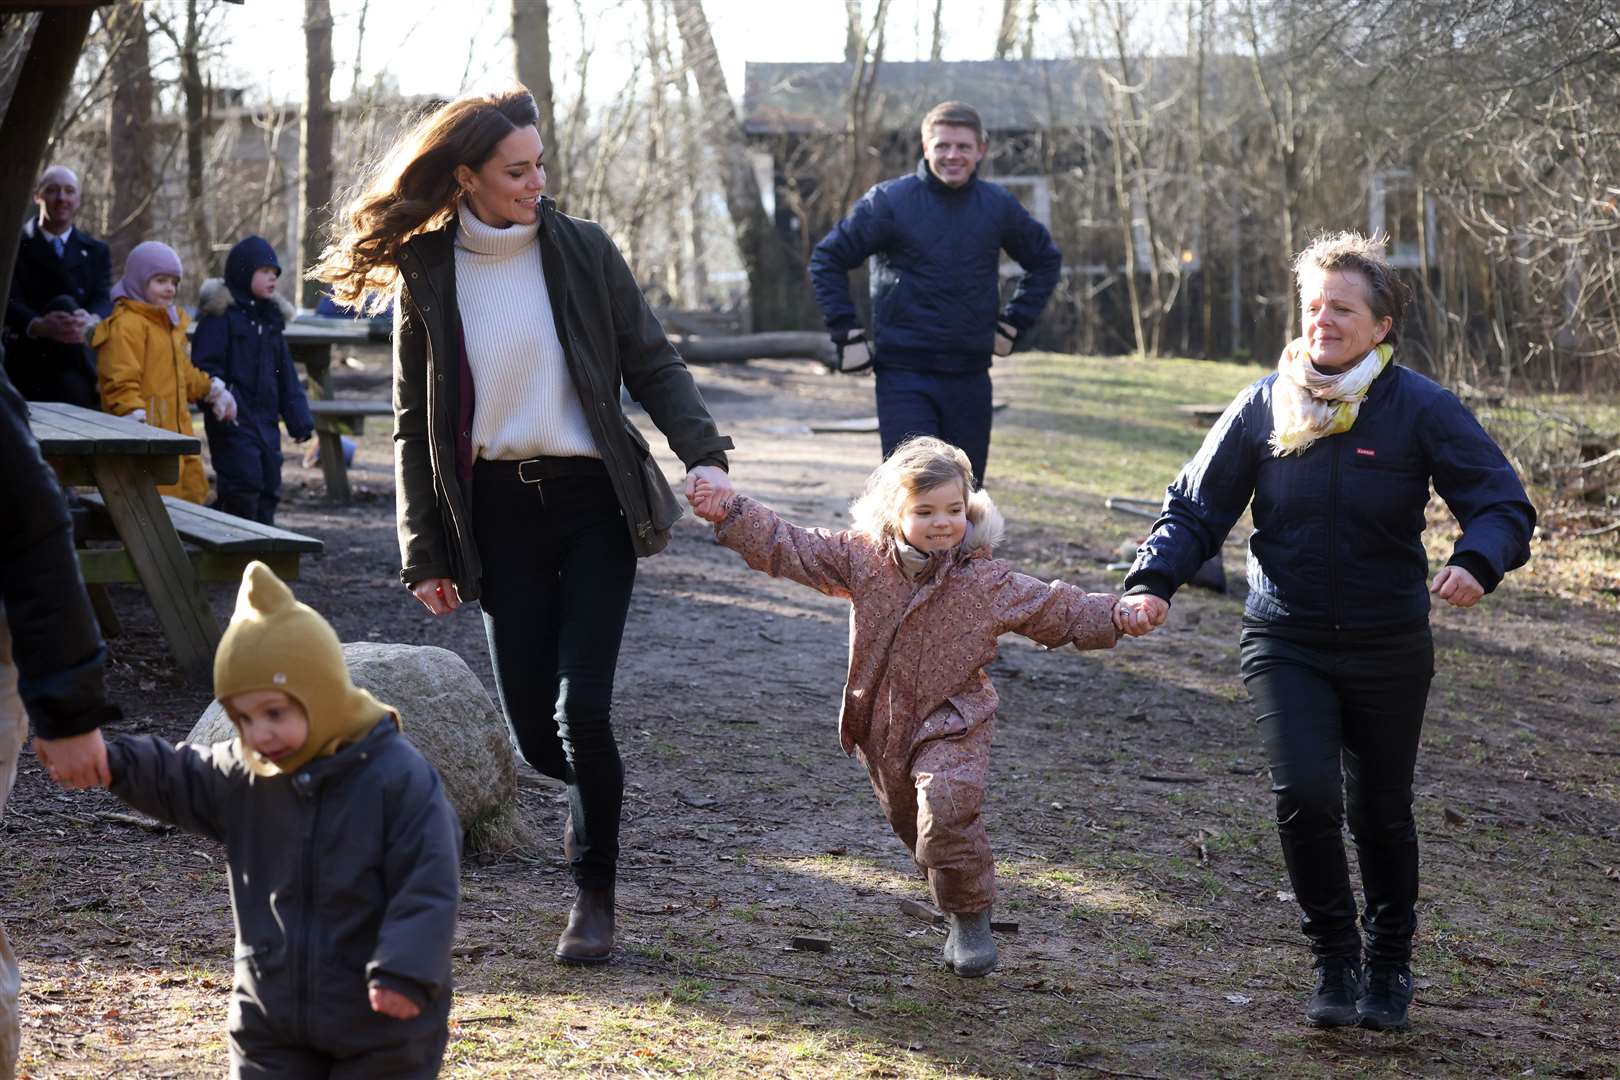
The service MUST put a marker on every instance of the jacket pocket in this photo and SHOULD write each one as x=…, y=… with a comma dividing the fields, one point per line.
x=260, y=959
x=662, y=509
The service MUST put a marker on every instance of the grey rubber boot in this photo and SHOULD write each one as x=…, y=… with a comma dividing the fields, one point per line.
x=969, y=949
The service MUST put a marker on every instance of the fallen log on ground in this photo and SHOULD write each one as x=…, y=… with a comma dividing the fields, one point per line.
x=740, y=348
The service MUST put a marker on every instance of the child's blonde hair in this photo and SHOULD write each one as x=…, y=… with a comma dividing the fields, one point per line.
x=921, y=463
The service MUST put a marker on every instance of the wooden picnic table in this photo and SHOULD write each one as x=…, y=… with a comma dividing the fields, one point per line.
x=310, y=341
x=334, y=418
x=126, y=461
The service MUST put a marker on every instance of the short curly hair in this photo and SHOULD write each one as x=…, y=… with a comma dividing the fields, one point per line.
x=1386, y=293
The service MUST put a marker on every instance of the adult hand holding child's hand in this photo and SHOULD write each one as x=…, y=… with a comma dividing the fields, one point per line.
x=709, y=492
x=78, y=761
x=393, y=1003
x=1140, y=614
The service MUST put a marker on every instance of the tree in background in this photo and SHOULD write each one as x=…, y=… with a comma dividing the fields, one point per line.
x=315, y=144
x=129, y=129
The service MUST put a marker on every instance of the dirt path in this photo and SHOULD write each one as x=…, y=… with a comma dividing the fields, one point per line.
x=1128, y=809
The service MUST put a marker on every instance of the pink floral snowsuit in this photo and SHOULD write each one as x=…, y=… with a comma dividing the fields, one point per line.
x=918, y=710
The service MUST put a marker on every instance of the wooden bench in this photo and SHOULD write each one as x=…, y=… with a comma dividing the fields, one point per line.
x=334, y=418
x=219, y=547
x=1204, y=414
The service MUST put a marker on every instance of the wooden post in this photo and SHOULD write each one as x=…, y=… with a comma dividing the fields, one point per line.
x=46, y=73
x=160, y=560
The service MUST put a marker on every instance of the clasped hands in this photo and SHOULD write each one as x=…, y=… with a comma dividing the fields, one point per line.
x=709, y=492
x=64, y=327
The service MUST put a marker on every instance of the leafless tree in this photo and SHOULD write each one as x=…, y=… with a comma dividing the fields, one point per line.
x=315, y=144
x=129, y=129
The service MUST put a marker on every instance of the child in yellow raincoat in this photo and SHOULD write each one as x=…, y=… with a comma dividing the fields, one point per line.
x=143, y=367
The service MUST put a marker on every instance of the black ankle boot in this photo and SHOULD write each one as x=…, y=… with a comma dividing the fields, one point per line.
x=588, y=939
x=1386, y=995
x=1333, y=1004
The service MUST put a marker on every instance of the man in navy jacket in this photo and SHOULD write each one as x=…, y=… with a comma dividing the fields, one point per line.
x=60, y=289
x=935, y=239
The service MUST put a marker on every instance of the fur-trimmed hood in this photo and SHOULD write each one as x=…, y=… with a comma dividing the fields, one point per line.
x=986, y=526
x=216, y=297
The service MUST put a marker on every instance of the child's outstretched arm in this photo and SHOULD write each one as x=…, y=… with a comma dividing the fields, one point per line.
x=422, y=880
x=184, y=785
x=818, y=558
x=1055, y=613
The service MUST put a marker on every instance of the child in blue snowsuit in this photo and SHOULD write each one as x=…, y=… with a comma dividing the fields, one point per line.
x=239, y=339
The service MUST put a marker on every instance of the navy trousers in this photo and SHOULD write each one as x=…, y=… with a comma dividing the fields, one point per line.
x=953, y=407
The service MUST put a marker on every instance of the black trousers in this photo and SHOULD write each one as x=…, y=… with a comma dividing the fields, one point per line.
x=558, y=572
x=1340, y=715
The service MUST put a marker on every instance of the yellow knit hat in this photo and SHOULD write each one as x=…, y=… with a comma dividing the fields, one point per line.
x=276, y=643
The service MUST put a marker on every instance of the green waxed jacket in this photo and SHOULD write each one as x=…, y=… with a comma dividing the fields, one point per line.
x=610, y=338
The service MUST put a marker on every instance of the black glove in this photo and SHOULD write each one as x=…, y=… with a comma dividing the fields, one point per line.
x=853, y=352
x=1006, y=334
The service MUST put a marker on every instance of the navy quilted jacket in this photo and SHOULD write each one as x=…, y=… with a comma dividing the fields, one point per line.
x=1338, y=529
x=936, y=270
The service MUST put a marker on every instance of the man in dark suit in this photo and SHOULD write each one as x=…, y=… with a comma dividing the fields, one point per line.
x=59, y=292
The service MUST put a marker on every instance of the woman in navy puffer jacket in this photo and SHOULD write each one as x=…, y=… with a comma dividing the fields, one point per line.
x=1337, y=450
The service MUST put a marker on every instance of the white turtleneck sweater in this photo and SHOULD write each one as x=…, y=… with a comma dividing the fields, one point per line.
x=526, y=404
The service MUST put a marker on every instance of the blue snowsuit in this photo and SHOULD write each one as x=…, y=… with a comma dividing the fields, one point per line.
x=242, y=344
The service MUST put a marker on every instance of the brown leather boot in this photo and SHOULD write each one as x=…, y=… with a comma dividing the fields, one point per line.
x=588, y=940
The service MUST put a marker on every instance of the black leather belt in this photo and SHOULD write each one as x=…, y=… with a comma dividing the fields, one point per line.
x=534, y=470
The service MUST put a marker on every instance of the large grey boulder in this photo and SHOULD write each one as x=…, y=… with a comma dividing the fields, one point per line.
x=450, y=719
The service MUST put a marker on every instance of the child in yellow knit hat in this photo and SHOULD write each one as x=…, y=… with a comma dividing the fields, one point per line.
x=344, y=852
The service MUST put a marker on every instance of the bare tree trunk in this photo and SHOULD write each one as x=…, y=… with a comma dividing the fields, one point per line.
x=1007, y=35
x=1206, y=265
x=359, y=49
x=129, y=129
x=775, y=274
x=531, y=38
x=47, y=71
x=937, y=51
x=315, y=147
x=1280, y=108
x=854, y=35
x=196, y=93
x=863, y=84
x=1031, y=13
x=16, y=34
x=696, y=227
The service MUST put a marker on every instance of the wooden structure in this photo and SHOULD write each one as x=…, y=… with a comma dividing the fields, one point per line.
x=334, y=418
x=125, y=461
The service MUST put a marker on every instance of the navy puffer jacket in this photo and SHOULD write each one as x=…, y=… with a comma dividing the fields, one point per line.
x=1338, y=529
x=240, y=339
x=936, y=270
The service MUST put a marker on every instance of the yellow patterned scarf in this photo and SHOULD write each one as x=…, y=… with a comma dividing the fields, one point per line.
x=1307, y=404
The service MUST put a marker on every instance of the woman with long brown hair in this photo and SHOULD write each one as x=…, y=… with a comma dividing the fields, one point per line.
x=521, y=483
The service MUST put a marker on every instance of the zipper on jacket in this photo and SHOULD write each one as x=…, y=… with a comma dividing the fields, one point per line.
x=304, y=980
x=1332, y=529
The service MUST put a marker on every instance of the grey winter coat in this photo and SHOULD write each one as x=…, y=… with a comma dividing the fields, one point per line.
x=610, y=338
x=344, y=875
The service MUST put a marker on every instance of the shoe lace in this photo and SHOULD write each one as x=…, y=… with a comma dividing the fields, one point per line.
x=1341, y=976
x=1388, y=982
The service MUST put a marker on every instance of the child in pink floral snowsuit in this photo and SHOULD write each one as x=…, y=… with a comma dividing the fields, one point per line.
x=928, y=603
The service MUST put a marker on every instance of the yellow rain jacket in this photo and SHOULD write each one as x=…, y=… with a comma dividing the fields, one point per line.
x=142, y=362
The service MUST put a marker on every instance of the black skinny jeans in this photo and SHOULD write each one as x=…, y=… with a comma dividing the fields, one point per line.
x=558, y=572
x=1323, y=698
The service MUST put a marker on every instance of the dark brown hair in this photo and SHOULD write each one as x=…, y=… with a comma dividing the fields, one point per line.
x=952, y=114
x=413, y=189
x=1385, y=292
